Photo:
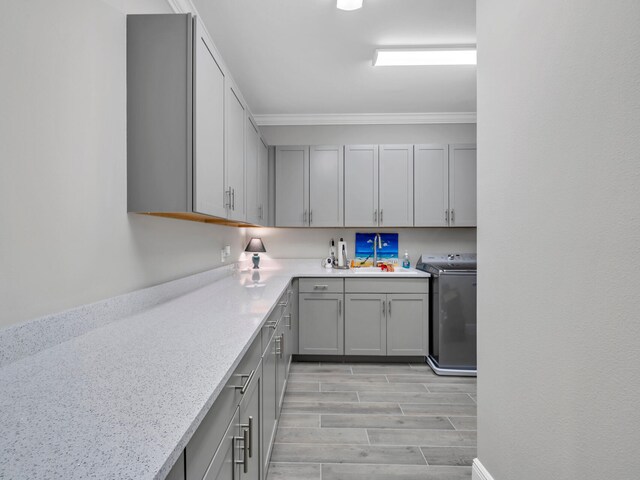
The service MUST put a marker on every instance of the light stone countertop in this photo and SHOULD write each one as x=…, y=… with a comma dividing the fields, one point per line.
x=123, y=399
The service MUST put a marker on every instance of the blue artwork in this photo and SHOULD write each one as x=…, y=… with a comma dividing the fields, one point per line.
x=364, y=248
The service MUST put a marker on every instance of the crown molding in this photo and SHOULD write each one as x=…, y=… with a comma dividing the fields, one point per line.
x=182, y=6
x=364, y=118
x=479, y=472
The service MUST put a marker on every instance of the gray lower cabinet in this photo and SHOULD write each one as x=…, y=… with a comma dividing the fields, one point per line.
x=177, y=472
x=407, y=324
x=269, y=404
x=224, y=466
x=365, y=329
x=281, y=361
x=293, y=323
x=321, y=323
x=250, y=419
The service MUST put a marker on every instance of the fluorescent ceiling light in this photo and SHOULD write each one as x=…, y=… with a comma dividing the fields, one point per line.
x=349, y=4
x=425, y=56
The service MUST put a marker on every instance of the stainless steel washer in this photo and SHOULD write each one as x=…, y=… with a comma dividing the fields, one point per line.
x=452, y=313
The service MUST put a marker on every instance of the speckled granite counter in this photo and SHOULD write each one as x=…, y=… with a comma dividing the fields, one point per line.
x=122, y=399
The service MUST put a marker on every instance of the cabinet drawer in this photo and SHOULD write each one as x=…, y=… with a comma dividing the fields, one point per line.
x=387, y=285
x=209, y=434
x=321, y=285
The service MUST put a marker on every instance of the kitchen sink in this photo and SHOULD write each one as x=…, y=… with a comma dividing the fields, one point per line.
x=377, y=271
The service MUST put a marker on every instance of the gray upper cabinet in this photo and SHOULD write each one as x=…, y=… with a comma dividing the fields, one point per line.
x=321, y=323
x=365, y=329
x=159, y=113
x=407, y=324
x=252, y=163
x=462, y=185
x=431, y=185
x=235, y=161
x=263, y=183
x=208, y=145
x=395, y=186
x=292, y=186
x=326, y=186
x=361, y=186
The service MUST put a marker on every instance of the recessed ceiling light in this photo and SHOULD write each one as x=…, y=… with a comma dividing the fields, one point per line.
x=465, y=55
x=349, y=4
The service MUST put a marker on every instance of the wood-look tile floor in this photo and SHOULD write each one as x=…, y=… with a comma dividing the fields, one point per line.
x=375, y=422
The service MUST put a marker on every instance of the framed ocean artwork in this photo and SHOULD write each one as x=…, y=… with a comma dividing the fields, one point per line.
x=364, y=248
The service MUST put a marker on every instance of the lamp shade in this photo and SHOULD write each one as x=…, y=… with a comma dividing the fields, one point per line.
x=255, y=245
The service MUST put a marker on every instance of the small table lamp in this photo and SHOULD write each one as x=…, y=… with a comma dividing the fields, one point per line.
x=255, y=245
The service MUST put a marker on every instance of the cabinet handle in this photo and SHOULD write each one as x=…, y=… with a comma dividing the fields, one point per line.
x=320, y=287
x=227, y=202
x=272, y=324
x=453, y=216
x=339, y=308
x=389, y=307
x=283, y=304
x=375, y=216
x=384, y=308
x=446, y=216
x=243, y=388
x=233, y=199
x=310, y=217
x=381, y=213
x=245, y=447
x=260, y=212
x=249, y=426
x=289, y=317
x=282, y=345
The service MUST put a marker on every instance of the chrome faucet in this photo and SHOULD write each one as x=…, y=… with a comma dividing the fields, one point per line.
x=377, y=243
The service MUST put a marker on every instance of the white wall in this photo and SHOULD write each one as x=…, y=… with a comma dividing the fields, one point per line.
x=65, y=236
x=314, y=242
x=559, y=239
x=369, y=134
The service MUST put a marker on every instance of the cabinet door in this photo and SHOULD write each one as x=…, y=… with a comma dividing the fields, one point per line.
x=292, y=186
x=293, y=321
x=223, y=466
x=361, y=186
x=365, y=326
x=281, y=363
x=235, y=161
x=321, y=324
x=252, y=184
x=326, y=186
x=462, y=185
x=208, y=106
x=250, y=419
x=407, y=324
x=431, y=185
x=268, y=402
x=263, y=182
x=396, y=185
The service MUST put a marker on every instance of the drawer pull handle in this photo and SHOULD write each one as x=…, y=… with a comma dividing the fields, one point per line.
x=284, y=304
x=321, y=287
x=243, y=388
x=272, y=324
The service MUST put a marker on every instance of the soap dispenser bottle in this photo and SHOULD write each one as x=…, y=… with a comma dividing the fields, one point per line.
x=406, y=263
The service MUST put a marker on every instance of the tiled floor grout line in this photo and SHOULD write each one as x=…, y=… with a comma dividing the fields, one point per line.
x=423, y=456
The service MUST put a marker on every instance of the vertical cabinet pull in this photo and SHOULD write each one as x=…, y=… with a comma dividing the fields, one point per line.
x=339, y=308
x=384, y=308
x=245, y=448
x=446, y=216
x=389, y=307
x=233, y=199
x=375, y=216
x=381, y=214
x=288, y=324
x=281, y=345
x=453, y=216
x=249, y=427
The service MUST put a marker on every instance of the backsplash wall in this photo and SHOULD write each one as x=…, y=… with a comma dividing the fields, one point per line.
x=314, y=242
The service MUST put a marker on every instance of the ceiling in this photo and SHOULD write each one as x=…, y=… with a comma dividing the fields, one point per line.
x=308, y=57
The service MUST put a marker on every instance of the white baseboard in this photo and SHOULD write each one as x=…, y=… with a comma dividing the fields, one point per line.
x=478, y=472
